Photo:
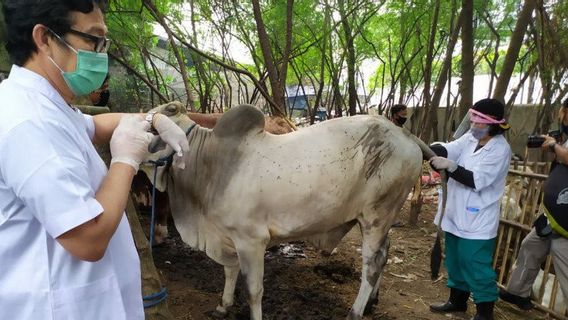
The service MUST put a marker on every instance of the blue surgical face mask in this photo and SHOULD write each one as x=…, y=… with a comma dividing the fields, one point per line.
x=479, y=133
x=90, y=72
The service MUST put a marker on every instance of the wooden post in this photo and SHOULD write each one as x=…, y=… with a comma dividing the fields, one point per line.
x=151, y=282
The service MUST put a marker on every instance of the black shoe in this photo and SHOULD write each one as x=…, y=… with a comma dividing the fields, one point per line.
x=456, y=303
x=484, y=311
x=447, y=307
x=524, y=303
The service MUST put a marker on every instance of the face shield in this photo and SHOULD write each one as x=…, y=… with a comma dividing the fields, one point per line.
x=474, y=116
x=464, y=126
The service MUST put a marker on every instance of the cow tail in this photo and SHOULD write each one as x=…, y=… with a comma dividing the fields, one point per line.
x=436, y=256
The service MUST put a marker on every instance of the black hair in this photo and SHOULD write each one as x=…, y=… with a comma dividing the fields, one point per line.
x=396, y=109
x=495, y=129
x=491, y=107
x=20, y=17
x=565, y=103
x=495, y=109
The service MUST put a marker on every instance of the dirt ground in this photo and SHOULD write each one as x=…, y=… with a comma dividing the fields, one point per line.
x=300, y=283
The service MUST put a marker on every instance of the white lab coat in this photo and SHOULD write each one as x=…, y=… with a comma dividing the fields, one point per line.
x=474, y=213
x=49, y=173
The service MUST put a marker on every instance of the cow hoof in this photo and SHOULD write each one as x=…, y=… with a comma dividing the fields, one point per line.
x=215, y=315
x=222, y=310
x=369, y=307
x=326, y=253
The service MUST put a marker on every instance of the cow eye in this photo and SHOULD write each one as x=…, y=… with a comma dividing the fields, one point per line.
x=171, y=109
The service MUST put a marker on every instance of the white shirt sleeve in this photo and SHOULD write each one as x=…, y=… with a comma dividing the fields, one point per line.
x=47, y=170
x=456, y=147
x=90, y=123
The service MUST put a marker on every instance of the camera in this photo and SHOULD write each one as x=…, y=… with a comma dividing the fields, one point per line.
x=535, y=140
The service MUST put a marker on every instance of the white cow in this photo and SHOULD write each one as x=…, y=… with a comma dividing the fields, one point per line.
x=244, y=189
x=515, y=194
x=511, y=201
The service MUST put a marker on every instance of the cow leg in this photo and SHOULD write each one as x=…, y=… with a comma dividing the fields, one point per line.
x=160, y=234
x=251, y=259
x=162, y=211
x=383, y=255
x=374, y=239
x=231, y=276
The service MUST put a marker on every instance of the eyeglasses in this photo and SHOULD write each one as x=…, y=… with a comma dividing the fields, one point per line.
x=101, y=43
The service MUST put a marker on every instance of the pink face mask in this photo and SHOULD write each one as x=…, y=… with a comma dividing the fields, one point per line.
x=478, y=117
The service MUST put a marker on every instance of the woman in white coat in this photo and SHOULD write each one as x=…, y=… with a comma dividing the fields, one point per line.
x=477, y=163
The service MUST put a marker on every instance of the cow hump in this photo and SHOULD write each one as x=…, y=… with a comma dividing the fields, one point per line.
x=240, y=121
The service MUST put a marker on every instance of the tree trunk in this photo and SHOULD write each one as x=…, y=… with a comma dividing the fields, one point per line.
x=181, y=62
x=427, y=122
x=492, y=62
x=530, y=89
x=444, y=74
x=284, y=60
x=326, y=24
x=544, y=116
x=350, y=48
x=515, y=91
x=258, y=85
x=513, y=51
x=140, y=76
x=466, y=85
x=277, y=83
x=203, y=81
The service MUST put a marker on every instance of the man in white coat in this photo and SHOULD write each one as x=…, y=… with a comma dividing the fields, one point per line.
x=67, y=251
x=477, y=163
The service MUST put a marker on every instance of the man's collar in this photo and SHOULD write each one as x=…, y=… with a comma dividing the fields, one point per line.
x=34, y=82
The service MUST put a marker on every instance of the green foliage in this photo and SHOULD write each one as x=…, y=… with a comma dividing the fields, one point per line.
x=4, y=58
x=395, y=32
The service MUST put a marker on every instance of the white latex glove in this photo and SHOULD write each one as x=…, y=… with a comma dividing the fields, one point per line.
x=130, y=140
x=173, y=136
x=443, y=163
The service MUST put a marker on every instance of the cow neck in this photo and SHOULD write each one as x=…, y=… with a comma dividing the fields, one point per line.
x=167, y=160
x=197, y=139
